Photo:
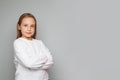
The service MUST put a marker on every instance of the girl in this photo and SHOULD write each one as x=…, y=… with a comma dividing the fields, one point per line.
x=31, y=57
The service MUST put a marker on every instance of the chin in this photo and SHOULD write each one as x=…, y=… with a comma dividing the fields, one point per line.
x=28, y=36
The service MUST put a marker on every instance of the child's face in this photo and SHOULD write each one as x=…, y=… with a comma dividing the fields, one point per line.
x=27, y=27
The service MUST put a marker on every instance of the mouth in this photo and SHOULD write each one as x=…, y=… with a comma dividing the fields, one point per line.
x=28, y=32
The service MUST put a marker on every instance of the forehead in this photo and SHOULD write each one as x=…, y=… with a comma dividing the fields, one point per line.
x=28, y=20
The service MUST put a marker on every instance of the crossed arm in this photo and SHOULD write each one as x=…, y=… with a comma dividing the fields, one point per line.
x=34, y=62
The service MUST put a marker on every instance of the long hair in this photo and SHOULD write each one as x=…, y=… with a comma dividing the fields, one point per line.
x=24, y=15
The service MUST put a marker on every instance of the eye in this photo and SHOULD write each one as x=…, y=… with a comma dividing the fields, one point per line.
x=25, y=25
x=32, y=25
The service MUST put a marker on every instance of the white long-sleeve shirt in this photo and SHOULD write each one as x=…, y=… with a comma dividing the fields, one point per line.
x=32, y=59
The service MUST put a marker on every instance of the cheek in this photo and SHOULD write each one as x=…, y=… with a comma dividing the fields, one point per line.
x=33, y=30
x=23, y=30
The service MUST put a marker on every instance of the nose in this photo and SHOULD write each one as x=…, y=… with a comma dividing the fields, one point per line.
x=29, y=28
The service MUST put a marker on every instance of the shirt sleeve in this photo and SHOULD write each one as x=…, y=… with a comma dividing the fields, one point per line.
x=33, y=62
x=49, y=62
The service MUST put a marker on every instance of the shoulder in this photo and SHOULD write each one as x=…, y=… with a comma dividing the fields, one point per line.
x=42, y=44
x=18, y=42
x=38, y=41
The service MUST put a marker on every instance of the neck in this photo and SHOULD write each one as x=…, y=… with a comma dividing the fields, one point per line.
x=28, y=38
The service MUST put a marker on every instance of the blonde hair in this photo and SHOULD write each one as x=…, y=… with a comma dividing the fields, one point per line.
x=24, y=15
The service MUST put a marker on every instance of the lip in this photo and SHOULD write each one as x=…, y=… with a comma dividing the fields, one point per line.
x=28, y=32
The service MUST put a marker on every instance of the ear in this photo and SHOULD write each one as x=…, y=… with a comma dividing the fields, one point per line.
x=18, y=26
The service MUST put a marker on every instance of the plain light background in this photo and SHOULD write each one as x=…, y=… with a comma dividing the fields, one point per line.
x=83, y=36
